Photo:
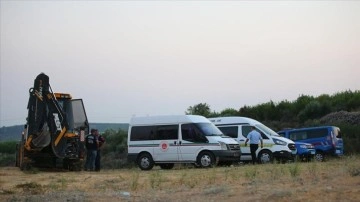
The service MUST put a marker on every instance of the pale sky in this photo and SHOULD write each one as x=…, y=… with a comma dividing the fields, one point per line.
x=139, y=58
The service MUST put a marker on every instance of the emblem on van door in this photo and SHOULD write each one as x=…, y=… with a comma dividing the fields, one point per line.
x=164, y=146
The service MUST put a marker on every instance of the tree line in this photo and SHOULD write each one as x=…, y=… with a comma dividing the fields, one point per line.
x=297, y=113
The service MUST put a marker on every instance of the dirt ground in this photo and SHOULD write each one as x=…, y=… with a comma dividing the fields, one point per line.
x=335, y=180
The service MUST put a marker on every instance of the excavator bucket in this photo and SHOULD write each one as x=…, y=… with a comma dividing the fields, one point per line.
x=37, y=112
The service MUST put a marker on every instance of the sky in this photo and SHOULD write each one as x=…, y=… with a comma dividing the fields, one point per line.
x=140, y=58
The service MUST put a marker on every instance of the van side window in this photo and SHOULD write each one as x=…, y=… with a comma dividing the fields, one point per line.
x=263, y=135
x=231, y=131
x=140, y=133
x=316, y=133
x=247, y=129
x=191, y=133
x=313, y=133
x=167, y=132
x=300, y=135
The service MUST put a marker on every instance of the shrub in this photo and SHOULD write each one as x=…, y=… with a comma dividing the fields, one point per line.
x=8, y=147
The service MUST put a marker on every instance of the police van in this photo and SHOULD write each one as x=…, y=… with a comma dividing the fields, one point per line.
x=274, y=146
x=327, y=140
x=166, y=140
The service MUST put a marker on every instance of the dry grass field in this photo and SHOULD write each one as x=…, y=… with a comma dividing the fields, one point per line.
x=334, y=180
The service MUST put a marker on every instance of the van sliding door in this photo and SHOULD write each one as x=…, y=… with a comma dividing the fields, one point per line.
x=166, y=138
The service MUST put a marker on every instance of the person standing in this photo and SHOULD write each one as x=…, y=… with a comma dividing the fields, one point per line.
x=101, y=141
x=91, y=144
x=255, y=137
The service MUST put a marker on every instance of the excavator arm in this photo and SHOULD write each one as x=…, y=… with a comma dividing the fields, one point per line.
x=56, y=125
x=47, y=123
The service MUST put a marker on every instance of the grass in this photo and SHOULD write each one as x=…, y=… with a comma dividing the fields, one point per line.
x=134, y=181
x=352, y=167
x=294, y=170
x=32, y=170
x=226, y=174
x=155, y=180
x=251, y=172
x=31, y=187
x=278, y=182
x=215, y=190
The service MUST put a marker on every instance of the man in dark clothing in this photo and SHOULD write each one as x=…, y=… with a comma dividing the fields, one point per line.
x=92, y=145
x=101, y=141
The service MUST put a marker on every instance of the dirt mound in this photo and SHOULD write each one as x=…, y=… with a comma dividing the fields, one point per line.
x=342, y=117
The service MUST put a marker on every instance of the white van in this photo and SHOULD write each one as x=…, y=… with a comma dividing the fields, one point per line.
x=274, y=146
x=165, y=140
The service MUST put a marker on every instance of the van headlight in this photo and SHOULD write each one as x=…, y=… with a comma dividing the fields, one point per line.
x=303, y=146
x=223, y=146
x=279, y=142
x=310, y=146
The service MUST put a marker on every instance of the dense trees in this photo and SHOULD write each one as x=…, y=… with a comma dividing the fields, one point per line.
x=304, y=108
x=7, y=153
x=297, y=112
x=8, y=147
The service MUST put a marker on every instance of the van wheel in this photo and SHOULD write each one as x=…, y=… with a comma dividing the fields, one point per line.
x=319, y=156
x=145, y=161
x=205, y=159
x=166, y=166
x=265, y=156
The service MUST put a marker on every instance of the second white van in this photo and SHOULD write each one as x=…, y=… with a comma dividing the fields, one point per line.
x=165, y=140
x=274, y=146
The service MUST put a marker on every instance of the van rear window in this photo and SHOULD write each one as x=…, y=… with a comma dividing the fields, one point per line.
x=139, y=133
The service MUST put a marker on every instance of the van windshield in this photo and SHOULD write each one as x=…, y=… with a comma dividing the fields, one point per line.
x=267, y=130
x=209, y=129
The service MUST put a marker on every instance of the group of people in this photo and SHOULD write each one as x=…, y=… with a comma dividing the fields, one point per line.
x=94, y=143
